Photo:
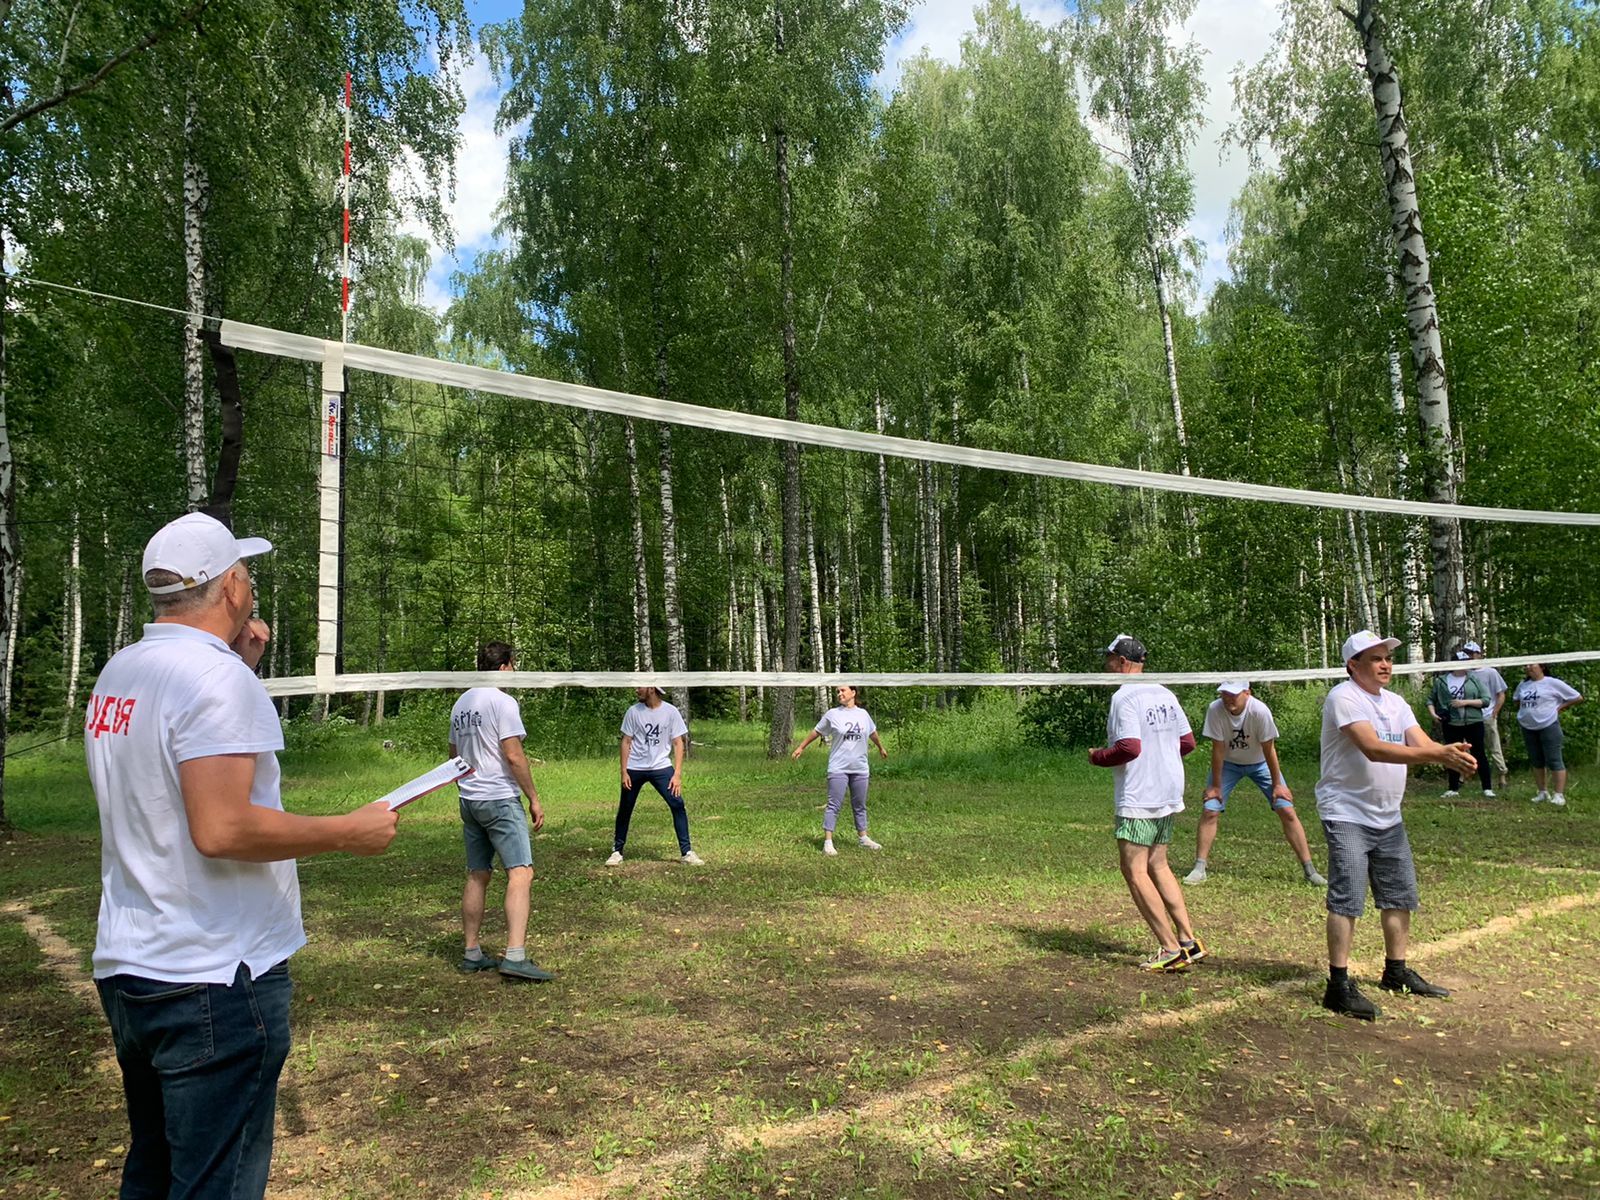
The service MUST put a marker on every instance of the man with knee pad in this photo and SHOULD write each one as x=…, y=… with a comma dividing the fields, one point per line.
x=1244, y=745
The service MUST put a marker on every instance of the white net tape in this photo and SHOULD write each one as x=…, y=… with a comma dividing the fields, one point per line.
x=505, y=383
x=303, y=685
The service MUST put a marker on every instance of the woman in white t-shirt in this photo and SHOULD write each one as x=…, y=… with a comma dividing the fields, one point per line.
x=848, y=728
x=1541, y=698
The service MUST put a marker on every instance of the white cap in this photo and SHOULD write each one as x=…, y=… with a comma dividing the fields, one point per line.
x=197, y=549
x=1363, y=640
x=1473, y=648
x=1233, y=687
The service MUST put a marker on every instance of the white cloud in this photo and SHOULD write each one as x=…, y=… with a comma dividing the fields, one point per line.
x=480, y=184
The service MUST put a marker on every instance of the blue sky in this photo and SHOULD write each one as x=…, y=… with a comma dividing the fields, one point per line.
x=1229, y=31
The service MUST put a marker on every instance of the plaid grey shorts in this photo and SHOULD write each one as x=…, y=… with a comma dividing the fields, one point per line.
x=1358, y=854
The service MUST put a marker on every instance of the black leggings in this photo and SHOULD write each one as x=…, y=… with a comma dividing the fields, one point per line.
x=1472, y=734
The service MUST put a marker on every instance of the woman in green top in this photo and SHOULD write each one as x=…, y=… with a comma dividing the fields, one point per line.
x=1459, y=703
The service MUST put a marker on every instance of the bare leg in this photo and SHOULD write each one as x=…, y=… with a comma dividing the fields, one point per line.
x=1396, y=931
x=1560, y=781
x=472, y=899
x=1538, y=778
x=518, y=882
x=1135, y=862
x=1294, y=833
x=1171, y=894
x=1209, y=823
x=1341, y=932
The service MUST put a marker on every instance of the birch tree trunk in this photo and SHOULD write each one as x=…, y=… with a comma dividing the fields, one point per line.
x=886, y=578
x=1440, y=456
x=956, y=631
x=933, y=586
x=195, y=192
x=643, y=655
x=74, y=613
x=735, y=625
x=13, y=610
x=677, y=653
x=1410, y=530
x=818, y=660
x=1180, y=430
x=782, y=727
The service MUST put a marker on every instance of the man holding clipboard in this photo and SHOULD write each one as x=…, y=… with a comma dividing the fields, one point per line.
x=486, y=731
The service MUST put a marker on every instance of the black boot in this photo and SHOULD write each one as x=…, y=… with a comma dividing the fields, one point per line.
x=1345, y=998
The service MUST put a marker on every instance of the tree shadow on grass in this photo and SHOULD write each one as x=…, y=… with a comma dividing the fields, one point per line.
x=1093, y=943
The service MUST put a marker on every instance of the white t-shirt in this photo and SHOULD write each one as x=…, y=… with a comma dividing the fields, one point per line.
x=652, y=731
x=479, y=722
x=847, y=731
x=1353, y=787
x=1493, y=682
x=1539, y=701
x=1152, y=784
x=167, y=911
x=1241, y=736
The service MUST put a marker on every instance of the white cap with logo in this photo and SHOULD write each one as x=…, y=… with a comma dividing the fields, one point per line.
x=1361, y=641
x=1233, y=687
x=1473, y=648
x=197, y=549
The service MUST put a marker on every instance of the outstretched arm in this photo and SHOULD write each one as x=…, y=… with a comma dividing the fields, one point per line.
x=801, y=748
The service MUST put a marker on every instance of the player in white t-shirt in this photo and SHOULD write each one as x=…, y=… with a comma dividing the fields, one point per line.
x=1244, y=745
x=200, y=901
x=486, y=730
x=848, y=727
x=1148, y=735
x=1541, y=698
x=654, y=737
x=1369, y=737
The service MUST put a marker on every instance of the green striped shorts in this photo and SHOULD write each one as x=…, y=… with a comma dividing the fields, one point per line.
x=1146, y=831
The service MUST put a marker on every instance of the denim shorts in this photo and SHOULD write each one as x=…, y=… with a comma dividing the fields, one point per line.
x=490, y=827
x=1234, y=774
x=1359, y=854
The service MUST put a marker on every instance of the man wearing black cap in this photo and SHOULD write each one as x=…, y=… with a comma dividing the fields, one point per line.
x=200, y=907
x=1149, y=735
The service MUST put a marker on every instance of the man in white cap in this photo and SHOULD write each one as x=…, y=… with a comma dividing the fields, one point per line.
x=1148, y=736
x=654, y=737
x=200, y=907
x=1495, y=684
x=1244, y=745
x=1369, y=737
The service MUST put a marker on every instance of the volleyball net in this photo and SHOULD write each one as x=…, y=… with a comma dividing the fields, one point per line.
x=421, y=506
x=458, y=503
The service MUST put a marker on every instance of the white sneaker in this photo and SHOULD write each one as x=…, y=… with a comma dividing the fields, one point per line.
x=1488, y=793
x=827, y=848
x=1198, y=875
x=692, y=859
x=867, y=843
x=1541, y=796
x=615, y=860
x=1558, y=800
x=1450, y=795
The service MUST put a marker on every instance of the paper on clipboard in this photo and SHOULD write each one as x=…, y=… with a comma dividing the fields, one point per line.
x=446, y=773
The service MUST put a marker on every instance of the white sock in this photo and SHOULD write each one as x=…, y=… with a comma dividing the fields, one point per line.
x=475, y=954
x=516, y=954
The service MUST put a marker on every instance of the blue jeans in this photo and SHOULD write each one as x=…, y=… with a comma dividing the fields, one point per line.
x=661, y=781
x=200, y=1064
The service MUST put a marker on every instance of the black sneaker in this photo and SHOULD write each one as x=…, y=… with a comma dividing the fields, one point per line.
x=1406, y=980
x=524, y=968
x=1344, y=998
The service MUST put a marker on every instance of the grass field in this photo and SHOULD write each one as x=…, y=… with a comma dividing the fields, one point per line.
x=957, y=1016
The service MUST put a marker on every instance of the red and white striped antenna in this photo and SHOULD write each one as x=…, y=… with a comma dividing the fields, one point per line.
x=344, y=291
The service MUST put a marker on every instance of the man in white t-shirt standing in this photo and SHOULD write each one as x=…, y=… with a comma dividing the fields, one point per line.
x=1244, y=745
x=1495, y=684
x=1148, y=736
x=654, y=737
x=200, y=902
x=1369, y=737
x=486, y=730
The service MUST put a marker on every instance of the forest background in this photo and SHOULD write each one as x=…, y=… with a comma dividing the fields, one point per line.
x=710, y=201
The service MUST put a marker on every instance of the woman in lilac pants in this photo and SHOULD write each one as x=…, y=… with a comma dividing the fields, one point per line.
x=848, y=728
